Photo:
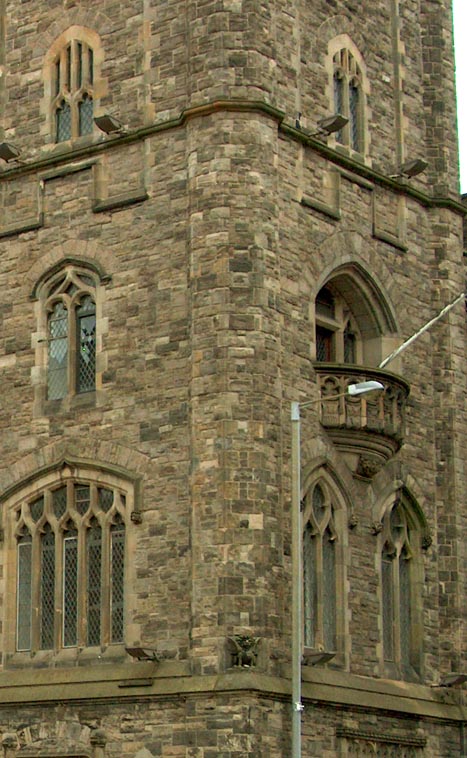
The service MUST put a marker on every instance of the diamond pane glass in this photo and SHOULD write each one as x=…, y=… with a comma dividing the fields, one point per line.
x=47, y=589
x=354, y=100
x=86, y=322
x=70, y=589
x=324, y=344
x=117, y=582
x=94, y=583
x=106, y=498
x=310, y=587
x=82, y=498
x=388, y=608
x=86, y=115
x=339, y=102
x=329, y=592
x=36, y=508
x=59, y=502
x=404, y=608
x=57, y=352
x=24, y=593
x=63, y=122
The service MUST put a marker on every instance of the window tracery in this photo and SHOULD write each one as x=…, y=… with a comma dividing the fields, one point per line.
x=73, y=91
x=321, y=581
x=70, y=565
x=401, y=542
x=348, y=99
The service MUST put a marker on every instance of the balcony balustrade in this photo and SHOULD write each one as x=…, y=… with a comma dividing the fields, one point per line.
x=369, y=429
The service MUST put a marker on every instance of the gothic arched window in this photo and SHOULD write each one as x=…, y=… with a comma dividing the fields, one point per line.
x=70, y=572
x=400, y=589
x=348, y=99
x=73, y=91
x=73, y=83
x=71, y=334
x=320, y=576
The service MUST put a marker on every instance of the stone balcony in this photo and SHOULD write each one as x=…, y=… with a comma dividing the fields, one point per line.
x=368, y=429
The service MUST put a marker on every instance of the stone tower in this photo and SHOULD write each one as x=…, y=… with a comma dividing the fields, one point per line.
x=211, y=210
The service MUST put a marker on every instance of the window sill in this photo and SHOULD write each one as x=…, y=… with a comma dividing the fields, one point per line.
x=70, y=403
x=66, y=657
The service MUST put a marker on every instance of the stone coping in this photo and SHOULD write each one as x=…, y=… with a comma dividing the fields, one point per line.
x=172, y=680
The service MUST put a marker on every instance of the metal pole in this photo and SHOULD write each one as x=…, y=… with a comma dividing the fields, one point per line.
x=297, y=706
x=423, y=329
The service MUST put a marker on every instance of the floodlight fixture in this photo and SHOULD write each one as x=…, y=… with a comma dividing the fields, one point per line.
x=450, y=680
x=410, y=169
x=9, y=152
x=313, y=657
x=143, y=653
x=109, y=124
x=330, y=124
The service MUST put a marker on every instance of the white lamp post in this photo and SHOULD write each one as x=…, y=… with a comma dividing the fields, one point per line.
x=297, y=569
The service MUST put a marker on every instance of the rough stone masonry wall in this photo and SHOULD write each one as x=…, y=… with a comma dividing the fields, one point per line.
x=208, y=324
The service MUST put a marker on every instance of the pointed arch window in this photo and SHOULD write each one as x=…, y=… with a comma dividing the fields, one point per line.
x=320, y=590
x=400, y=590
x=348, y=99
x=72, y=105
x=70, y=305
x=71, y=547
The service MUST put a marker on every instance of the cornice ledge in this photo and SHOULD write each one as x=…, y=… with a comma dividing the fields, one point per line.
x=371, y=174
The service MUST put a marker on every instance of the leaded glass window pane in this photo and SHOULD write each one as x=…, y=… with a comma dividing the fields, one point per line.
x=47, y=589
x=354, y=107
x=36, y=508
x=24, y=593
x=339, y=101
x=106, y=498
x=329, y=592
x=117, y=582
x=63, y=122
x=70, y=589
x=388, y=607
x=82, y=498
x=310, y=588
x=86, y=115
x=86, y=325
x=94, y=583
x=404, y=608
x=59, y=502
x=58, y=352
x=324, y=344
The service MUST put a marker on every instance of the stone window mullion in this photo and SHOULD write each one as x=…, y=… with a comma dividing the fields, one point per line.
x=71, y=567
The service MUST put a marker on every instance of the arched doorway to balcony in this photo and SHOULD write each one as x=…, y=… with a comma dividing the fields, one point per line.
x=354, y=322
